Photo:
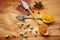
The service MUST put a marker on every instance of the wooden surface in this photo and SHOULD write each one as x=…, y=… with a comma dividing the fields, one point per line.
x=9, y=23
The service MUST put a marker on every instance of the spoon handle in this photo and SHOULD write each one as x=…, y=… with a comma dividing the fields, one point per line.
x=33, y=16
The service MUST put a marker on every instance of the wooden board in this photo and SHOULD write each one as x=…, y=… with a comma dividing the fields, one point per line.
x=9, y=9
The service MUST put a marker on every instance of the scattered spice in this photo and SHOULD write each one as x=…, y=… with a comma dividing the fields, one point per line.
x=22, y=24
x=38, y=12
x=35, y=35
x=31, y=28
x=25, y=36
x=25, y=28
x=36, y=31
x=13, y=34
x=28, y=14
x=38, y=5
x=25, y=32
x=26, y=25
x=21, y=33
x=7, y=36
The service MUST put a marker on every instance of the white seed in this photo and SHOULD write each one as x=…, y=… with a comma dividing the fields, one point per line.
x=7, y=36
x=21, y=33
x=25, y=31
x=13, y=34
x=31, y=27
x=25, y=25
x=34, y=31
x=25, y=36
x=29, y=30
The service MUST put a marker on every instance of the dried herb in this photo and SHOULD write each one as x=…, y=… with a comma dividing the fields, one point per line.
x=38, y=5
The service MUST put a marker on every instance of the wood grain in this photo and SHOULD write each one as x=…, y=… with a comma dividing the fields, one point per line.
x=9, y=23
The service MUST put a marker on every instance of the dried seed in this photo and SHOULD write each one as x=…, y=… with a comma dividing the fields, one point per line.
x=19, y=26
x=25, y=36
x=38, y=12
x=35, y=35
x=22, y=24
x=25, y=31
x=7, y=36
x=28, y=14
x=23, y=20
x=30, y=30
x=13, y=34
x=36, y=31
x=21, y=33
x=26, y=25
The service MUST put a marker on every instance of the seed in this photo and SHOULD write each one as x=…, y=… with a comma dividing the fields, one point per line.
x=38, y=12
x=36, y=31
x=22, y=24
x=25, y=31
x=26, y=25
x=21, y=33
x=33, y=11
x=7, y=36
x=28, y=14
x=13, y=34
x=30, y=30
x=35, y=35
x=25, y=28
x=23, y=20
x=25, y=36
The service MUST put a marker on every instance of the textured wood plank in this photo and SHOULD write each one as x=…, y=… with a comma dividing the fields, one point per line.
x=8, y=15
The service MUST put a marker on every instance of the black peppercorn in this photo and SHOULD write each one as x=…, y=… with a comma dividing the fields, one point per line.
x=36, y=31
x=22, y=24
x=38, y=12
x=35, y=35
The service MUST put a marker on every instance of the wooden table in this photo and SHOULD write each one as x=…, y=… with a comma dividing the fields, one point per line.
x=9, y=23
